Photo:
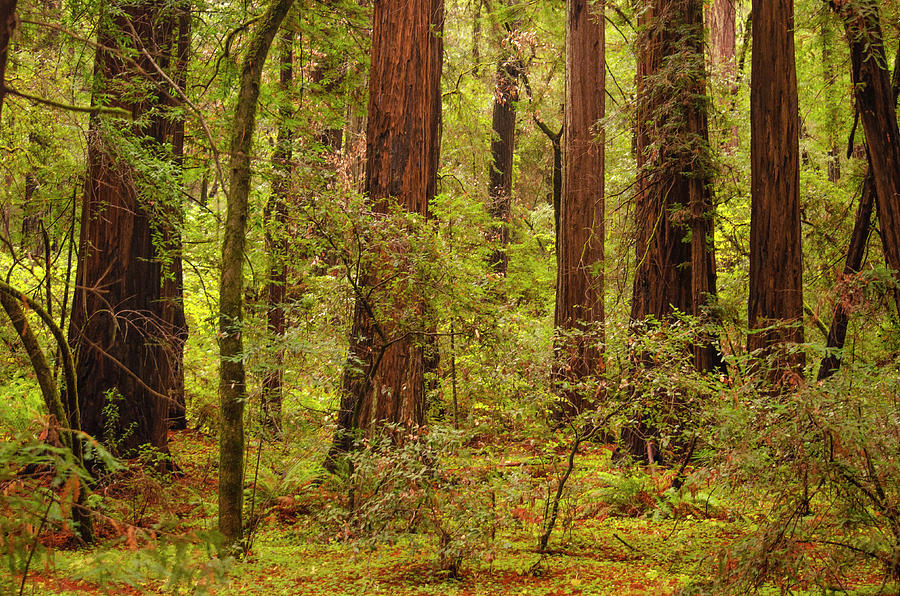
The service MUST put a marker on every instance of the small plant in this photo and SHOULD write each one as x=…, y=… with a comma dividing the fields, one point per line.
x=113, y=438
x=405, y=492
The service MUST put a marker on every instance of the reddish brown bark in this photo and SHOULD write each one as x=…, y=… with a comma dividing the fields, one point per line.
x=579, y=286
x=837, y=333
x=722, y=35
x=776, y=292
x=503, y=143
x=674, y=212
x=384, y=379
x=673, y=206
x=173, y=285
x=721, y=18
x=118, y=325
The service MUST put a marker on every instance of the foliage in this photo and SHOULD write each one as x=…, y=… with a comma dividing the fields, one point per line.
x=398, y=492
x=820, y=463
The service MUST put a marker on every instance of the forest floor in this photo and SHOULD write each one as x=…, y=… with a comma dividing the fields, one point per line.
x=617, y=533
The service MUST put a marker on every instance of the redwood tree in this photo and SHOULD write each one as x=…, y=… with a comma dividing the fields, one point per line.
x=503, y=143
x=673, y=205
x=856, y=251
x=776, y=291
x=579, y=286
x=119, y=328
x=384, y=378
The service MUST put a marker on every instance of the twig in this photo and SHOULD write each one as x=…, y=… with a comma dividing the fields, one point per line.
x=34, y=547
x=122, y=113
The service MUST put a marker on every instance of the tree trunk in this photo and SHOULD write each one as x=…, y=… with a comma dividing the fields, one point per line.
x=674, y=212
x=173, y=286
x=673, y=207
x=232, y=376
x=557, y=178
x=7, y=27
x=275, y=220
x=384, y=377
x=776, y=291
x=877, y=110
x=14, y=304
x=722, y=53
x=837, y=333
x=118, y=326
x=503, y=142
x=579, y=286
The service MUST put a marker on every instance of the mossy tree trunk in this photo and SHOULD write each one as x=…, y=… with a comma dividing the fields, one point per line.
x=232, y=376
x=675, y=255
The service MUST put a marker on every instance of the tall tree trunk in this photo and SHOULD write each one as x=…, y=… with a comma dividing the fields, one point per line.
x=8, y=22
x=503, y=142
x=673, y=207
x=384, y=377
x=837, y=333
x=878, y=113
x=579, y=285
x=722, y=52
x=776, y=291
x=173, y=286
x=674, y=212
x=118, y=325
x=232, y=376
x=275, y=220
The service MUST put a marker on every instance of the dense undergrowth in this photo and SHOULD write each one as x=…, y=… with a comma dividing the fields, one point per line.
x=789, y=494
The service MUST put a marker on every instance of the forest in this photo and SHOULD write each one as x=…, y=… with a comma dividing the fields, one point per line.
x=450, y=297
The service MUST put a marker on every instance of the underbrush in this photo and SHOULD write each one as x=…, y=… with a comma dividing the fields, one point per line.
x=795, y=491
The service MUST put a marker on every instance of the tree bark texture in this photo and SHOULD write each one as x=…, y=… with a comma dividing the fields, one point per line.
x=119, y=328
x=232, y=376
x=673, y=207
x=722, y=53
x=7, y=27
x=503, y=143
x=384, y=378
x=275, y=221
x=722, y=15
x=877, y=110
x=776, y=292
x=579, y=285
x=173, y=285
